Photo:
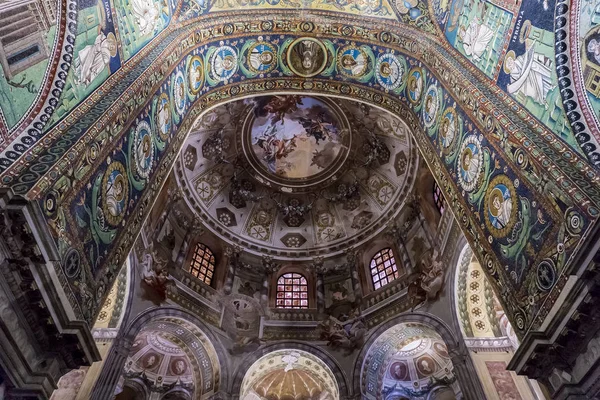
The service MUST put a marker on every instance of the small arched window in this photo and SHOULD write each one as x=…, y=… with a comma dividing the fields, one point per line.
x=438, y=197
x=292, y=291
x=383, y=268
x=202, y=265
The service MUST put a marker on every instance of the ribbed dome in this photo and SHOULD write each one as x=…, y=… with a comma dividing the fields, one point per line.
x=288, y=385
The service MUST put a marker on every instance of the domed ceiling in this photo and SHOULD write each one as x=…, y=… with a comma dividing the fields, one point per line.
x=161, y=358
x=406, y=358
x=289, y=374
x=292, y=175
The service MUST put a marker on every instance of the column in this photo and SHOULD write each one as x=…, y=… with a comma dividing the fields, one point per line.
x=233, y=256
x=320, y=293
x=467, y=377
x=269, y=267
x=107, y=381
x=353, y=265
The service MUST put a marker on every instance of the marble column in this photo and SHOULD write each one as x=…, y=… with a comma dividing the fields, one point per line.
x=353, y=265
x=233, y=255
x=467, y=377
x=109, y=377
x=320, y=293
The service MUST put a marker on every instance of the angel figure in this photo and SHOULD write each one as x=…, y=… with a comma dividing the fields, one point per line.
x=432, y=278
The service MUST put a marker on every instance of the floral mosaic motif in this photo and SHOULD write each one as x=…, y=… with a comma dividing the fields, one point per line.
x=192, y=8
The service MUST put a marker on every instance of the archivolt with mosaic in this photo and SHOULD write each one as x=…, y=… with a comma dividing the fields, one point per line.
x=493, y=183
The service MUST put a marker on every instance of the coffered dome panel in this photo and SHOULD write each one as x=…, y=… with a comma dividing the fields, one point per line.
x=296, y=175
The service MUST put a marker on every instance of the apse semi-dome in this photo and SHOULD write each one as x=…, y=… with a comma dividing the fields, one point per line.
x=295, y=175
x=289, y=374
x=408, y=359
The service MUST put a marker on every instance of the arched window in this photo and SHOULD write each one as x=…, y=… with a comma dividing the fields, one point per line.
x=438, y=197
x=202, y=265
x=292, y=291
x=383, y=268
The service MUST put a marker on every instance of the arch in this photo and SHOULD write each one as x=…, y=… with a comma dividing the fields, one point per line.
x=463, y=99
x=215, y=365
x=478, y=310
x=249, y=360
x=299, y=373
x=454, y=345
x=406, y=360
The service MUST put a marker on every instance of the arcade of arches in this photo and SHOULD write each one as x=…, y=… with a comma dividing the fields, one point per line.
x=299, y=199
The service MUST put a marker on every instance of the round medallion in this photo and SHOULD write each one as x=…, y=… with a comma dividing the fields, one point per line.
x=262, y=58
x=448, y=128
x=179, y=93
x=352, y=61
x=72, y=263
x=574, y=222
x=546, y=275
x=143, y=153
x=295, y=141
x=470, y=163
x=431, y=106
x=163, y=116
x=195, y=74
x=307, y=57
x=224, y=63
x=399, y=371
x=51, y=203
x=500, y=206
x=389, y=71
x=115, y=193
x=414, y=85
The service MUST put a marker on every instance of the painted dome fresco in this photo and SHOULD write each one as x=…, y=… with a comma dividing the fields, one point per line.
x=294, y=174
x=406, y=359
x=161, y=358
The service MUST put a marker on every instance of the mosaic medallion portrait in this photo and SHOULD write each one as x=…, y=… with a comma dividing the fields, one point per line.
x=307, y=57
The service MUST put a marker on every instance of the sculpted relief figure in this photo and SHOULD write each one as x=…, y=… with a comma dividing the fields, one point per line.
x=155, y=273
x=432, y=277
x=347, y=335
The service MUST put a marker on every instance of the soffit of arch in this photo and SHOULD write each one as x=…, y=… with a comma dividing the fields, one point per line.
x=523, y=177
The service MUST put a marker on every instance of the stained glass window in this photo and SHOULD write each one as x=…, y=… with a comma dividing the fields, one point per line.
x=292, y=291
x=438, y=197
x=383, y=268
x=202, y=265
